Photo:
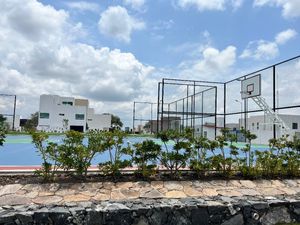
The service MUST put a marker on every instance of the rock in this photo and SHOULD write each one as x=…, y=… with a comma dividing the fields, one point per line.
x=270, y=191
x=173, y=185
x=200, y=216
x=142, y=221
x=101, y=197
x=229, y=193
x=248, y=183
x=236, y=220
x=117, y=195
x=277, y=183
x=63, y=192
x=14, y=200
x=76, y=198
x=152, y=194
x=276, y=215
x=42, y=193
x=209, y=192
x=108, y=185
x=175, y=194
x=115, y=206
x=192, y=192
x=124, y=185
x=130, y=194
x=10, y=189
x=248, y=191
x=157, y=184
x=45, y=200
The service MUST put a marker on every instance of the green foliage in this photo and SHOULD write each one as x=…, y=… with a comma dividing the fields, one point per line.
x=178, y=156
x=246, y=163
x=32, y=123
x=281, y=159
x=113, y=143
x=3, y=129
x=145, y=156
x=46, y=151
x=199, y=161
x=73, y=154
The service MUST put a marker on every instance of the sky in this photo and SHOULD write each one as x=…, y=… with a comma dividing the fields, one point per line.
x=114, y=52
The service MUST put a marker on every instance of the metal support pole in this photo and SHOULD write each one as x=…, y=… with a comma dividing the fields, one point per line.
x=14, y=116
x=274, y=98
x=224, y=125
x=158, y=102
x=133, y=118
x=162, y=104
x=216, y=94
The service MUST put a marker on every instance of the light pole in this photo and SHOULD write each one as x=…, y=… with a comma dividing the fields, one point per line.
x=241, y=103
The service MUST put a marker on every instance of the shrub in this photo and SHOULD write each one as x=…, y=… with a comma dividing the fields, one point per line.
x=178, y=157
x=47, y=153
x=145, y=156
x=199, y=161
x=113, y=143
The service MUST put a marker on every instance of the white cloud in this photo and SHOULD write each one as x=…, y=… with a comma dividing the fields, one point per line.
x=285, y=36
x=53, y=62
x=135, y=4
x=290, y=8
x=213, y=62
x=117, y=23
x=267, y=50
x=203, y=5
x=261, y=50
x=83, y=6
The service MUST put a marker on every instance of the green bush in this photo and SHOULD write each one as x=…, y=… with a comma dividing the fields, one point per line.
x=113, y=143
x=47, y=153
x=178, y=157
x=145, y=156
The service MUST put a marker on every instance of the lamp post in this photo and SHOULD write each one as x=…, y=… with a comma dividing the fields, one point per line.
x=241, y=103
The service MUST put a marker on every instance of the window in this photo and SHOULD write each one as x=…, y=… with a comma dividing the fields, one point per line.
x=67, y=103
x=44, y=115
x=257, y=125
x=205, y=134
x=90, y=120
x=79, y=116
x=61, y=114
x=295, y=126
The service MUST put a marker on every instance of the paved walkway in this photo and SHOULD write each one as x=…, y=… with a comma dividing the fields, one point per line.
x=60, y=194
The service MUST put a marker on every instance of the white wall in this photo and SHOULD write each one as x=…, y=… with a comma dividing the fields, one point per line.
x=99, y=122
x=260, y=126
x=52, y=104
x=58, y=112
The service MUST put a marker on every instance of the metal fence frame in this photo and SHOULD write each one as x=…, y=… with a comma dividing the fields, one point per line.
x=169, y=81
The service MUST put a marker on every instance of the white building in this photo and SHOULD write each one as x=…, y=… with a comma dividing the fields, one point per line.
x=263, y=129
x=59, y=114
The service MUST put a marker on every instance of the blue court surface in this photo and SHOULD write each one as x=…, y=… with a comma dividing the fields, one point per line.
x=19, y=150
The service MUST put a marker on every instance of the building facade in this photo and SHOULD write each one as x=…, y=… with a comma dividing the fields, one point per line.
x=263, y=129
x=59, y=114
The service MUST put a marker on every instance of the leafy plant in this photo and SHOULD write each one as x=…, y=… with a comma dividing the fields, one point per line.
x=246, y=164
x=73, y=154
x=39, y=139
x=199, y=162
x=145, y=156
x=3, y=129
x=178, y=156
x=113, y=143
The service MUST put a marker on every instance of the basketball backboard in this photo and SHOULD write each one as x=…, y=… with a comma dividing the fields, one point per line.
x=251, y=87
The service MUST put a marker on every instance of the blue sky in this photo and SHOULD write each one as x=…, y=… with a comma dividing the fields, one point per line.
x=114, y=52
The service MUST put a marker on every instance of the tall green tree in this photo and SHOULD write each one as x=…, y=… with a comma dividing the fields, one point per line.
x=32, y=123
x=116, y=122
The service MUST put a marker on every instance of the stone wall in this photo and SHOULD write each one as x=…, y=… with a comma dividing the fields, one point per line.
x=185, y=211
